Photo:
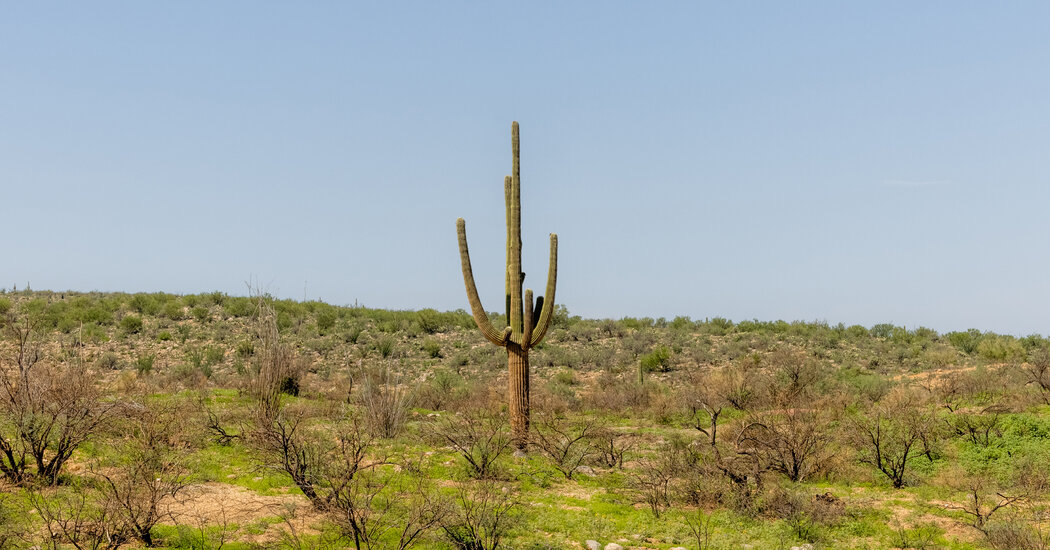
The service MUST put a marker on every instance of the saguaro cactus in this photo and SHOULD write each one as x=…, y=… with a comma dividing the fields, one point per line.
x=525, y=330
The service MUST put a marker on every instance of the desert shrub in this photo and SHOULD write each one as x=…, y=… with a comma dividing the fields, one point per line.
x=432, y=348
x=352, y=334
x=429, y=320
x=144, y=304
x=326, y=319
x=213, y=355
x=163, y=336
x=657, y=360
x=481, y=438
x=239, y=306
x=93, y=333
x=194, y=356
x=200, y=313
x=144, y=363
x=215, y=298
x=882, y=330
x=275, y=368
x=245, y=349
x=966, y=341
x=385, y=346
x=1001, y=348
x=481, y=515
x=131, y=324
x=108, y=361
x=808, y=516
x=618, y=394
x=857, y=332
x=717, y=326
x=568, y=443
x=173, y=310
x=1015, y=534
x=385, y=402
x=442, y=389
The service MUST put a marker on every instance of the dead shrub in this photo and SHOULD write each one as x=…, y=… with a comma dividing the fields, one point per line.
x=479, y=436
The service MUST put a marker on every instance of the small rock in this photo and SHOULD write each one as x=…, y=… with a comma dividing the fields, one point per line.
x=613, y=546
x=593, y=545
x=679, y=548
x=585, y=470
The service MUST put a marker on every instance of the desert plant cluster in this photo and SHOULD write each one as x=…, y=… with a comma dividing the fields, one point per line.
x=217, y=421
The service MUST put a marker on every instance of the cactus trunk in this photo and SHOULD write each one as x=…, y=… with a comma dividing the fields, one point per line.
x=518, y=395
x=527, y=322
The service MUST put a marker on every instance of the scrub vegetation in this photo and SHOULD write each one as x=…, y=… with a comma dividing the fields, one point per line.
x=213, y=421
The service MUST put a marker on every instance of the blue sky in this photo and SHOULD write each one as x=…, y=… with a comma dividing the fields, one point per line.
x=847, y=162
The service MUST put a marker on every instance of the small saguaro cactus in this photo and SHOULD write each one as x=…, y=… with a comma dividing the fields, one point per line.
x=525, y=330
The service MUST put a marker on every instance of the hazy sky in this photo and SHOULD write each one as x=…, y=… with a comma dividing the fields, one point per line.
x=841, y=161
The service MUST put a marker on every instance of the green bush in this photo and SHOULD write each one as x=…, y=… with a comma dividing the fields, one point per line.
x=432, y=348
x=200, y=313
x=173, y=310
x=144, y=304
x=385, y=346
x=108, y=361
x=965, y=341
x=215, y=298
x=246, y=349
x=326, y=319
x=144, y=364
x=213, y=355
x=90, y=332
x=239, y=307
x=657, y=360
x=882, y=330
x=1001, y=348
x=131, y=324
x=429, y=320
x=163, y=336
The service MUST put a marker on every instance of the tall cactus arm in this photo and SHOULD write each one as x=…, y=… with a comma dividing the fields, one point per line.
x=507, y=283
x=480, y=317
x=547, y=310
x=514, y=278
x=526, y=331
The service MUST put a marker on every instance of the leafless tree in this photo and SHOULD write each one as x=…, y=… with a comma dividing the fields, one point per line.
x=281, y=440
x=700, y=527
x=140, y=488
x=51, y=410
x=74, y=517
x=1037, y=372
x=710, y=395
x=891, y=434
x=978, y=427
x=567, y=443
x=792, y=442
x=479, y=436
x=480, y=515
x=611, y=446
